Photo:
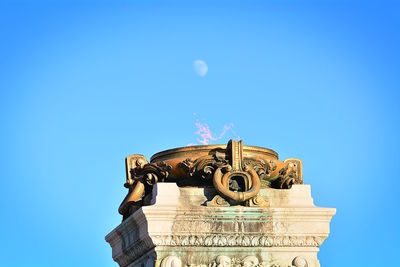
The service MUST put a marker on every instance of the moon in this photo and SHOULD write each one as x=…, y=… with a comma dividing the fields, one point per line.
x=200, y=67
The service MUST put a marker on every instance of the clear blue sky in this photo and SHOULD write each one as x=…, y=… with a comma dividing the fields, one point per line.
x=82, y=85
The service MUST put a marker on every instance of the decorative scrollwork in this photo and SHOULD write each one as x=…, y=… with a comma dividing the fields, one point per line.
x=283, y=177
x=140, y=178
x=203, y=167
x=263, y=168
x=272, y=173
x=151, y=173
x=289, y=174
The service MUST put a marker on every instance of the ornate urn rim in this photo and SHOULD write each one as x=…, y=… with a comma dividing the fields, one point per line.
x=205, y=148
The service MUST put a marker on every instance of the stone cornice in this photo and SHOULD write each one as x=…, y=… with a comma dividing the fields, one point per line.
x=134, y=249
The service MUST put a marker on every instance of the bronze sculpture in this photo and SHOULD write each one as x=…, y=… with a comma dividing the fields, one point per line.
x=237, y=173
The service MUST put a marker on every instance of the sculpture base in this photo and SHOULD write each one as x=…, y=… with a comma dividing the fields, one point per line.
x=179, y=229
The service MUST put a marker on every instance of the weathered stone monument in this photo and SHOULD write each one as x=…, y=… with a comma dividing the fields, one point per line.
x=218, y=205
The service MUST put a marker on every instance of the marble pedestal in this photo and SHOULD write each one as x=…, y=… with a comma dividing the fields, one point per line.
x=179, y=229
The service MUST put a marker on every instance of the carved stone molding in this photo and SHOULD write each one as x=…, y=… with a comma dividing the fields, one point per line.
x=133, y=250
x=286, y=233
x=218, y=240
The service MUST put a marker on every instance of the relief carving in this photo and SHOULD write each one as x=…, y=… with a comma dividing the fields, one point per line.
x=171, y=261
x=217, y=240
x=299, y=262
x=223, y=261
x=248, y=261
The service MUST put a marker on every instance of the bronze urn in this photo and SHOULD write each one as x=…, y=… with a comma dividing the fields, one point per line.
x=236, y=172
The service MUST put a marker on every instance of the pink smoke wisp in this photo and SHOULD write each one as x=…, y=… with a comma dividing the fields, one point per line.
x=207, y=136
x=205, y=133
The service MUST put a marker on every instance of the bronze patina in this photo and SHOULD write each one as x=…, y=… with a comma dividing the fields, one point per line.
x=236, y=172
